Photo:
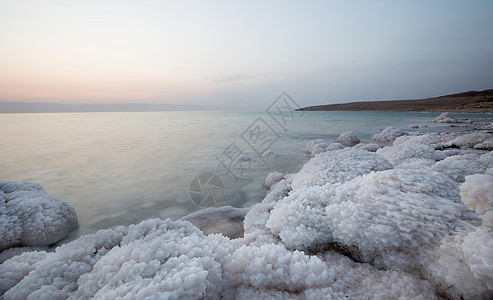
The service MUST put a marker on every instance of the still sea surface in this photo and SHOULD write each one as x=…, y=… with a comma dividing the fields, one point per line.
x=122, y=168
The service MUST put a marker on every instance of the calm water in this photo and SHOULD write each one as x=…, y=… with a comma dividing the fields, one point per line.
x=121, y=168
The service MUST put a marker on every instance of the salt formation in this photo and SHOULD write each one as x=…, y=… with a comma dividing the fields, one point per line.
x=319, y=146
x=368, y=147
x=445, y=118
x=161, y=259
x=11, y=252
x=477, y=193
x=348, y=138
x=486, y=145
x=339, y=166
x=388, y=135
x=272, y=178
x=31, y=217
x=468, y=140
x=350, y=224
x=458, y=167
x=413, y=152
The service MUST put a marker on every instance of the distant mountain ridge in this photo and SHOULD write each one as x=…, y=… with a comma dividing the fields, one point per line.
x=32, y=107
x=466, y=102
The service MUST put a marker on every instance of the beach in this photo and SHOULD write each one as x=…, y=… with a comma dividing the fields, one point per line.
x=402, y=212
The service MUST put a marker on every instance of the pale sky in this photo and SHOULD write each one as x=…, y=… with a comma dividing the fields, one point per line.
x=242, y=53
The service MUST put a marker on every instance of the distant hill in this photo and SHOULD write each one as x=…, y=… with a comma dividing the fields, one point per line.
x=467, y=102
x=31, y=107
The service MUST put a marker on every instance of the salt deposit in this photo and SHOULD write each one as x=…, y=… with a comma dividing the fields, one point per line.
x=339, y=166
x=348, y=138
x=31, y=217
x=486, y=145
x=319, y=146
x=409, y=221
x=272, y=178
x=445, y=118
x=477, y=193
x=457, y=167
x=368, y=147
x=388, y=135
x=469, y=140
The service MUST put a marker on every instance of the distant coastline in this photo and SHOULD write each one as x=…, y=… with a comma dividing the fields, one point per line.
x=467, y=102
x=32, y=107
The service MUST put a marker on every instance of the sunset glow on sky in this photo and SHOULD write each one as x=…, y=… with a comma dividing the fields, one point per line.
x=226, y=53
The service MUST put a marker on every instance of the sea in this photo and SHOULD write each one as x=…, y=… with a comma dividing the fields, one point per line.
x=119, y=168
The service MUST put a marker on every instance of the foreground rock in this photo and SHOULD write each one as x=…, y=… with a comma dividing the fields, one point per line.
x=31, y=217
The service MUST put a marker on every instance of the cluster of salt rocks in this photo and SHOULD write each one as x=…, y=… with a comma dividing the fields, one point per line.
x=413, y=220
x=31, y=217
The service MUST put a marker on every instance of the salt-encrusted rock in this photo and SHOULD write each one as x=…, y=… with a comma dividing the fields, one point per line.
x=459, y=166
x=487, y=159
x=311, y=144
x=339, y=166
x=348, y=138
x=315, y=147
x=368, y=147
x=477, y=193
x=314, y=219
x=335, y=146
x=388, y=135
x=256, y=234
x=31, y=217
x=160, y=259
x=17, y=268
x=363, y=212
x=403, y=152
x=445, y=118
x=486, y=145
x=469, y=140
x=11, y=252
x=426, y=139
x=464, y=260
x=272, y=178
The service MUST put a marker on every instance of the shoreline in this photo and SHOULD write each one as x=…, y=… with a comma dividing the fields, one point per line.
x=467, y=102
x=407, y=111
x=408, y=209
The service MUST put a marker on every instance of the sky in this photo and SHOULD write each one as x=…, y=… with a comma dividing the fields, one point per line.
x=242, y=54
